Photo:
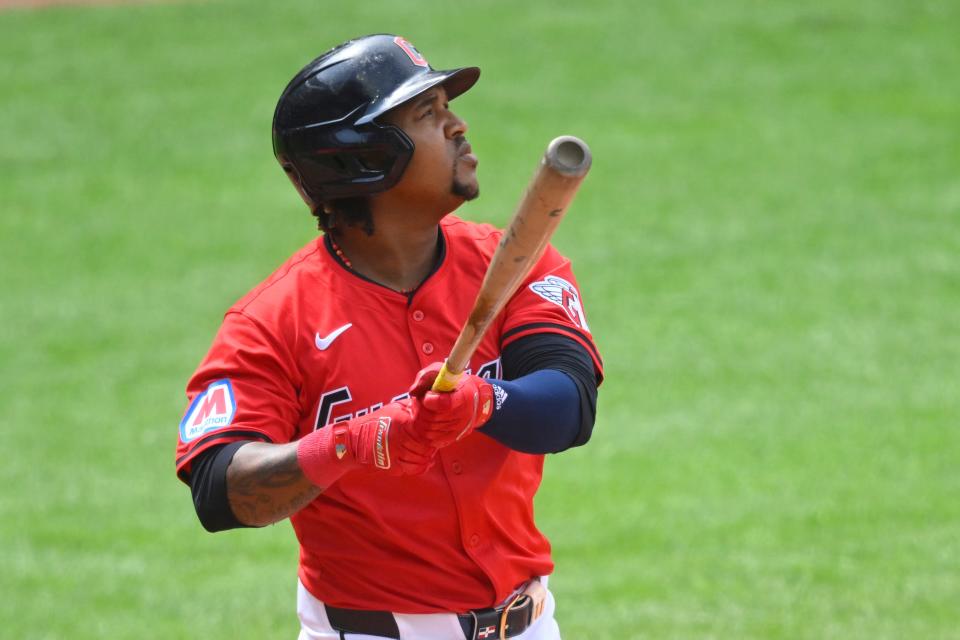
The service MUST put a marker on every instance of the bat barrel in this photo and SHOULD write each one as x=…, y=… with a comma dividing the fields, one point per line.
x=568, y=155
x=544, y=203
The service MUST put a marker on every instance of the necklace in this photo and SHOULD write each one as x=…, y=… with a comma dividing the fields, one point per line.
x=346, y=261
x=337, y=250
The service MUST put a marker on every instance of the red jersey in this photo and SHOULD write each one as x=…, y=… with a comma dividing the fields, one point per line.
x=316, y=343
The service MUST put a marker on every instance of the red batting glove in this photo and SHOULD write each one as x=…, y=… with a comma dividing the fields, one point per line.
x=442, y=418
x=384, y=440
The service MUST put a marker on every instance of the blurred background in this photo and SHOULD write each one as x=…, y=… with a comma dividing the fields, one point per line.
x=768, y=247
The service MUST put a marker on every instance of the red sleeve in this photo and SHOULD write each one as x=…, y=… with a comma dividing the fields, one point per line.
x=549, y=301
x=245, y=389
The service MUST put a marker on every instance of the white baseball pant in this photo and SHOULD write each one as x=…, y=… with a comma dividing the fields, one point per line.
x=431, y=626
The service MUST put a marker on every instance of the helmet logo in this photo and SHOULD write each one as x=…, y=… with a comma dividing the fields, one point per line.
x=411, y=52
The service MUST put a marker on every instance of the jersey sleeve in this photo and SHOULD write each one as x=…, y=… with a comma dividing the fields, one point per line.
x=244, y=389
x=549, y=301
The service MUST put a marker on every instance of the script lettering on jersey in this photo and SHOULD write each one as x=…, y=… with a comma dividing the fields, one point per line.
x=327, y=412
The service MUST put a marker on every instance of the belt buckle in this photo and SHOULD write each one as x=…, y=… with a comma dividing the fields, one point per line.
x=490, y=624
x=506, y=611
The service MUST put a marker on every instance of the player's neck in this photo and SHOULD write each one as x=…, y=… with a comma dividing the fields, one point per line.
x=399, y=256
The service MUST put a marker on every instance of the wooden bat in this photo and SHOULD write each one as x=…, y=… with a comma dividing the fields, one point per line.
x=546, y=199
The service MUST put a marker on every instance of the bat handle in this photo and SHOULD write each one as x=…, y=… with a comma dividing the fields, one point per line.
x=446, y=380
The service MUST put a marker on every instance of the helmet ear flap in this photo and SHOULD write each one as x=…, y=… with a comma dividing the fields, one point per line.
x=291, y=171
x=324, y=169
x=401, y=154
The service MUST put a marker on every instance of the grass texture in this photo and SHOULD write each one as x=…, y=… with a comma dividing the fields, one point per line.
x=768, y=244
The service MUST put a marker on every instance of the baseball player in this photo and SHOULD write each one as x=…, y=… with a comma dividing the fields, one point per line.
x=413, y=509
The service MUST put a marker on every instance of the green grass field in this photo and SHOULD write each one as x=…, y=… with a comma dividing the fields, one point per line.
x=769, y=247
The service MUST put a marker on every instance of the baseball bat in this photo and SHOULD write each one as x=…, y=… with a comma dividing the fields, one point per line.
x=548, y=196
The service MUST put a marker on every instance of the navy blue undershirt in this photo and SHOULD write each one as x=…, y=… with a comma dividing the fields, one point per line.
x=538, y=413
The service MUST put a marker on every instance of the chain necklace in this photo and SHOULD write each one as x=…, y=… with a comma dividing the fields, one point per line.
x=346, y=261
x=337, y=250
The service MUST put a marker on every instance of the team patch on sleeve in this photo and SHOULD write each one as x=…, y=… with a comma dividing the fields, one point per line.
x=211, y=410
x=563, y=294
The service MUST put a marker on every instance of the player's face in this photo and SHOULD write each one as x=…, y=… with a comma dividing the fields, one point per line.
x=443, y=164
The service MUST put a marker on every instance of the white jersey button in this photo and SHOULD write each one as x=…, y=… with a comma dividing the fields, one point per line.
x=418, y=315
x=427, y=348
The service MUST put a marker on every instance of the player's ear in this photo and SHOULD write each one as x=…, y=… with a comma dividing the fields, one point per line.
x=330, y=215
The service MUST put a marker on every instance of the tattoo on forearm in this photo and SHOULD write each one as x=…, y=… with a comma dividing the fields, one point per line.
x=266, y=485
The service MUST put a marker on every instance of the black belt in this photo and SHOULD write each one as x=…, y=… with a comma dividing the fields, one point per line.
x=480, y=624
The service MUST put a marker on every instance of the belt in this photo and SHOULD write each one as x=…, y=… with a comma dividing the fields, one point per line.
x=499, y=622
x=505, y=621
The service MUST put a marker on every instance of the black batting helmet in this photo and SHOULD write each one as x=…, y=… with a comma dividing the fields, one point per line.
x=325, y=133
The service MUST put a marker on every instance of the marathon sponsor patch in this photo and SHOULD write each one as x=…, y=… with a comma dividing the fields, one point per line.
x=563, y=294
x=211, y=410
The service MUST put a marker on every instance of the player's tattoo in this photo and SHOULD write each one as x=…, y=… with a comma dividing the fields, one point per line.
x=265, y=483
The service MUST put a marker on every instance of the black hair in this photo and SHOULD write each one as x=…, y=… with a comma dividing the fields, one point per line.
x=333, y=215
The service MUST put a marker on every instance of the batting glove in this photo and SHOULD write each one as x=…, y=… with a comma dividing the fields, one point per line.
x=442, y=418
x=384, y=440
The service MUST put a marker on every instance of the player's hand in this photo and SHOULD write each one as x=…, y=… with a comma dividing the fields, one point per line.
x=442, y=418
x=384, y=440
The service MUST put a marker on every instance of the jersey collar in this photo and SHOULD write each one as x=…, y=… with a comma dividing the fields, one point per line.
x=441, y=257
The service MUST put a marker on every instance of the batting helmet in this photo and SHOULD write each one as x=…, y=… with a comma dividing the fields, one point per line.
x=325, y=133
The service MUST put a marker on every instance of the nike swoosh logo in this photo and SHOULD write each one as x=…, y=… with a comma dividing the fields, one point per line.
x=324, y=342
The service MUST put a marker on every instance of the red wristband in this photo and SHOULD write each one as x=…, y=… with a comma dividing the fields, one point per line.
x=318, y=459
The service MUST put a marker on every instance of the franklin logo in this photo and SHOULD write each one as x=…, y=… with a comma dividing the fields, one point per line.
x=564, y=295
x=211, y=410
x=382, y=446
